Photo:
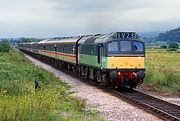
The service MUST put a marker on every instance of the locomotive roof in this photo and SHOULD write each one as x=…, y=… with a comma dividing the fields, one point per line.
x=103, y=38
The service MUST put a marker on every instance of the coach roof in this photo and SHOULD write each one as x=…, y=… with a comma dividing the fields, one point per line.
x=59, y=40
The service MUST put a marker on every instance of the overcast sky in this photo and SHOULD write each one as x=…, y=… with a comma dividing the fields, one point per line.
x=48, y=18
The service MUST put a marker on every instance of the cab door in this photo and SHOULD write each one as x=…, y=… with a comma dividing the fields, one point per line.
x=99, y=54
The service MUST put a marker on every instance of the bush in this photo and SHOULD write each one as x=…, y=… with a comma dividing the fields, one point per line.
x=4, y=46
x=164, y=46
x=173, y=45
x=172, y=49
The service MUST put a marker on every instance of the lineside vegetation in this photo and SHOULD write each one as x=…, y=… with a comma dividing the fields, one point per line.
x=162, y=71
x=51, y=102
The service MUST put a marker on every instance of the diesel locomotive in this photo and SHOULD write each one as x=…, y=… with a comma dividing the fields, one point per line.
x=116, y=59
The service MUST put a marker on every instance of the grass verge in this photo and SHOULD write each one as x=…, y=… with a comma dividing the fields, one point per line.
x=162, y=71
x=51, y=102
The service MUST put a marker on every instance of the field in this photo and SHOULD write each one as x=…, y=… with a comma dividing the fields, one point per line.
x=19, y=101
x=162, y=71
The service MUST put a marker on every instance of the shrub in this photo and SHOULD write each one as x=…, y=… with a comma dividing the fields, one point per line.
x=172, y=49
x=173, y=45
x=4, y=46
x=164, y=46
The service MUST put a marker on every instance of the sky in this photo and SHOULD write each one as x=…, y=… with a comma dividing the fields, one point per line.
x=52, y=18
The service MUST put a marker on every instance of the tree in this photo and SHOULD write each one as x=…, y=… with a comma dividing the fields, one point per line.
x=4, y=46
x=24, y=40
x=164, y=46
x=173, y=45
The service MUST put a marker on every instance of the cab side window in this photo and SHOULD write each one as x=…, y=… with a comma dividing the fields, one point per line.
x=138, y=47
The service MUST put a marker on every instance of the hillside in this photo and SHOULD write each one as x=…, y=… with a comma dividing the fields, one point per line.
x=149, y=37
x=172, y=35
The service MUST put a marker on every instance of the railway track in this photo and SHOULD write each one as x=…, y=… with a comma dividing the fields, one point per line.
x=158, y=107
x=153, y=105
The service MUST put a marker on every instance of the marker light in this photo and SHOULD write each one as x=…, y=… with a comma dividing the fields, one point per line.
x=119, y=73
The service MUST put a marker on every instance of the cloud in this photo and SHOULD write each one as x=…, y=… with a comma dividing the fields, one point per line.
x=45, y=18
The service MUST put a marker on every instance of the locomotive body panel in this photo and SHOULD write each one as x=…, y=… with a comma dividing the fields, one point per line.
x=90, y=60
x=126, y=62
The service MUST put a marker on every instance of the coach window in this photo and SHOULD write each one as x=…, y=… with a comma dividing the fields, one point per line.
x=74, y=50
x=51, y=47
x=69, y=49
x=61, y=48
x=55, y=47
x=65, y=48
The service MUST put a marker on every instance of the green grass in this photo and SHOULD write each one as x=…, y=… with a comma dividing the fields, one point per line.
x=20, y=102
x=162, y=71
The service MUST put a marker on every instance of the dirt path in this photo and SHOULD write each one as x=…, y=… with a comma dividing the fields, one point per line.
x=110, y=107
